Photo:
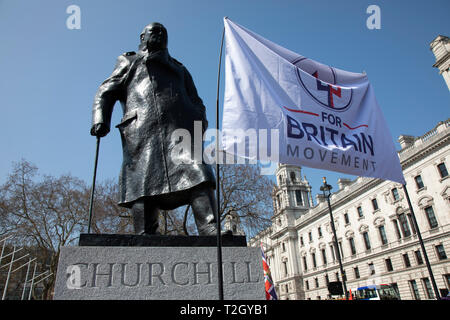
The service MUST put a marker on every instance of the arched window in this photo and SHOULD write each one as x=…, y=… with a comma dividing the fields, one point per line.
x=298, y=197
x=292, y=176
x=404, y=225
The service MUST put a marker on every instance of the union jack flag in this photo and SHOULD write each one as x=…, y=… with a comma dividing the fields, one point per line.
x=270, y=288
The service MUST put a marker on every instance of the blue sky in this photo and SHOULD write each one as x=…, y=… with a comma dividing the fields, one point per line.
x=50, y=74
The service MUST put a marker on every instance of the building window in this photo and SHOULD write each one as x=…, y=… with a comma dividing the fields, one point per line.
x=352, y=245
x=371, y=269
x=346, y=218
x=285, y=269
x=305, y=264
x=279, y=201
x=389, y=266
x=301, y=241
x=293, y=176
x=441, y=252
x=283, y=247
x=316, y=280
x=307, y=284
x=360, y=212
x=324, y=256
x=418, y=257
x=366, y=240
x=397, y=230
x=411, y=223
x=333, y=255
x=375, y=204
x=442, y=170
x=383, y=236
x=356, y=271
x=431, y=217
x=447, y=280
x=414, y=289
x=428, y=289
x=298, y=197
x=395, y=194
x=406, y=260
x=419, y=182
x=327, y=279
x=395, y=286
x=310, y=236
x=404, y=225
x=319, y=230
x=314, y=260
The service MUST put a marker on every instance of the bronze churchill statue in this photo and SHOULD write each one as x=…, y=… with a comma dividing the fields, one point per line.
x=158, y=96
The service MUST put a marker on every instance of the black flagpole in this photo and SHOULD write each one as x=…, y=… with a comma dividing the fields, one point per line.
x=326, y=189
x=430, y=272
x=219, y=238
x=91, y=203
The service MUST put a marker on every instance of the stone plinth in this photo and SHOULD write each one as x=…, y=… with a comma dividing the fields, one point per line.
x=158, y=273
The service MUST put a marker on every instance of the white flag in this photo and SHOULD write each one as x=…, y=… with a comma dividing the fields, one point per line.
x=325, y=118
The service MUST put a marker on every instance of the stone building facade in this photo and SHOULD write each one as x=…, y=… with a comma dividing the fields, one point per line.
x=441, y=50
x=376, y=236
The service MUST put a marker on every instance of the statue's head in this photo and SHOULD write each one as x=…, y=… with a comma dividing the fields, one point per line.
x=153, y=37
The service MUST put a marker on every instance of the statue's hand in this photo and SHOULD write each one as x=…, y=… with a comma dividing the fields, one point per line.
x=99, y=130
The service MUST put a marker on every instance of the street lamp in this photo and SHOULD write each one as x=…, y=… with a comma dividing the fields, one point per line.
x=326, y=189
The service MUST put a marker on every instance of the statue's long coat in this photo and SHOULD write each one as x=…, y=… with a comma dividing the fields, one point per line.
x=158, y=96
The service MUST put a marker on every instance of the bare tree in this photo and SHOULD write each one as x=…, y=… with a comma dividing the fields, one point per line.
x=50, y=212
x=108, y=216
x=47, y=213
x=246, y=193
x=243, y=192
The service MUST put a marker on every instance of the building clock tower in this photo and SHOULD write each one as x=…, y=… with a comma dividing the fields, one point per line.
x=292, y=199
x=293, y=192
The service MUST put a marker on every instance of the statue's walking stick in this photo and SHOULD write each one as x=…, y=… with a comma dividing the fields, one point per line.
x=91, y=203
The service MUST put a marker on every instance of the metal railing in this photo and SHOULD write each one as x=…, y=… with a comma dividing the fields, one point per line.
x=30, y=283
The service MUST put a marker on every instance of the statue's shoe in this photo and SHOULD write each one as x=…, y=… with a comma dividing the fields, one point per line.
x=211, y=230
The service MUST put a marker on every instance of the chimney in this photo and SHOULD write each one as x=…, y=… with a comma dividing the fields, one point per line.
x=342, y=183
x=441, y=50
x=406, y=141
x=320, y=198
